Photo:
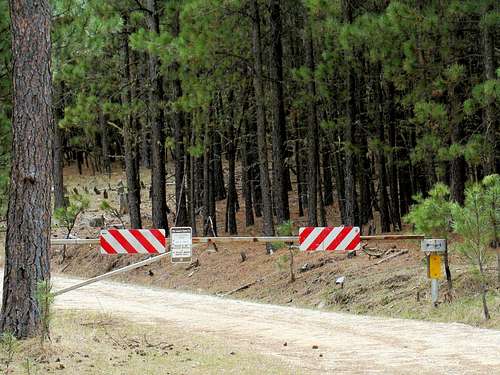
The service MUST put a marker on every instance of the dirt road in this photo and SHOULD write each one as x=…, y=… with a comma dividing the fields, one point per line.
x=347, y=344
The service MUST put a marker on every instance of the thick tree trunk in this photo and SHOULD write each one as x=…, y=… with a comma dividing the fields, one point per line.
x=130, y=136
x=268, y=226
x=280, y=170
x=158, y=191
x=59, y=201
x=29, y=213
x=312, y=133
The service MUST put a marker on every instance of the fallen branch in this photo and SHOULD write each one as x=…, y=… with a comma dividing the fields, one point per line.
x=371, y=252
x=392, y=256
x=243, y=287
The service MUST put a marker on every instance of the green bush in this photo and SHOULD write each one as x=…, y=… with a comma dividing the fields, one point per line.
x=431, y=216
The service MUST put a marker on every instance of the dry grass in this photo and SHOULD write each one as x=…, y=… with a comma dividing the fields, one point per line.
x=84, y=343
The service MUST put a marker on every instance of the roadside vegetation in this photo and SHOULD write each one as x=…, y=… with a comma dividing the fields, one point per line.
x=96, y=343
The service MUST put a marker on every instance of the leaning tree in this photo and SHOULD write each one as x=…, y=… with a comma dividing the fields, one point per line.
x=29, y=212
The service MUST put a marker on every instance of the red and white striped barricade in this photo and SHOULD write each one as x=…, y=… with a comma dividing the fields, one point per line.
x=329, y=238
x=133, y=241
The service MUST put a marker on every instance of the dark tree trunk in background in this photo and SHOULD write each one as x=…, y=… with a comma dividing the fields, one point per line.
x=106, y=162
x=393, y=156
x=207, y=184
x=27, y=241
x=130, y=136
x=79, y=161
x=231, y=183
x=193, y=177
x=349, y=133
x=181, y=218
x=59, y=201
x=267, y=210
x=246, y=178
x=361, y=135
x=383, y=198
x=339, y=180
x=312, y=133
x=457, y=167
x=209, y=208
x=280, y=170
x=301, y=196
x=322, y=211
x=146, y=120
x=220, y=186
x=490, y=120
x=212, y=198
x=253, y=168
x=327, y=174
x=156, y=97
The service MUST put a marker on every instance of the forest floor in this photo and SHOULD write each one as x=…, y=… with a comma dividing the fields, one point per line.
x=102, y=343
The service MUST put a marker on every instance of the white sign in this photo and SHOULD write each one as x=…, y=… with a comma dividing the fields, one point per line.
x=433, y=245
x=181, y=244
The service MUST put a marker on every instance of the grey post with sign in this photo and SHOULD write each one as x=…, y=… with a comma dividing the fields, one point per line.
x=433, y=249
x=181, y=244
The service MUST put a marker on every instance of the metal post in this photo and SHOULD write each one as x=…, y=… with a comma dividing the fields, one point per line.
x=434, y=291
x=112, y=273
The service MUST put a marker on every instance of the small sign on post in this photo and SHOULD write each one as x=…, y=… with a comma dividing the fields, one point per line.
x=433, y=249
x=181, y=244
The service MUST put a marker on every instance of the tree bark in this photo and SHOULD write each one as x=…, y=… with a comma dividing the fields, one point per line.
x=383, y=198
x=146, y=119
x=181, y=218
x=29, y=213
x=156, y=97
x=268, y=226
x=280, y=175
x=253, y=168
x=246, y=179
x=130, y=136
x=349, y=174
x=231, y=183
x=491, y=121
x=393, y=156
x=104, y=142
x=327, y=174
x=193, y=193
x=299, y=170
x=312, y=133
x=218, y=171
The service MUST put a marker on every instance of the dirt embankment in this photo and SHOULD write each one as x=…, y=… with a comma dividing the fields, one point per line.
x=397, y=287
